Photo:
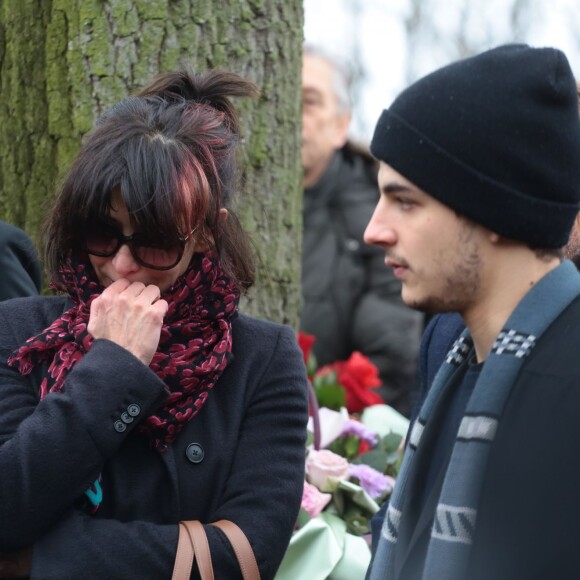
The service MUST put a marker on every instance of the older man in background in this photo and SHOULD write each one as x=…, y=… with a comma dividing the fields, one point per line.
x=351, y=302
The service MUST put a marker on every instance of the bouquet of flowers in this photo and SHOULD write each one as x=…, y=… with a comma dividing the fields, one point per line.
x=354, y=452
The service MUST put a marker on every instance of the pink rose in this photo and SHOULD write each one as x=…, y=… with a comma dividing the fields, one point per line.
x=325, y=468
x=313, y=501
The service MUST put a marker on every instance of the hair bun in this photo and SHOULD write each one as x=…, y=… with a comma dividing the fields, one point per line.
x=213, y=88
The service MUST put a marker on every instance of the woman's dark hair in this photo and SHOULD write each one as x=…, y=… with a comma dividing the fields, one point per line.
x=170, y=153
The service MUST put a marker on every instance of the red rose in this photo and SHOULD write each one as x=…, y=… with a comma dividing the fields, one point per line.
x=305, y=342
x=363, y=447
x=358, y=375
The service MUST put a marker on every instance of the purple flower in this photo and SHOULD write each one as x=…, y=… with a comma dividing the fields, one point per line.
x=372, y=481
x=359, y=430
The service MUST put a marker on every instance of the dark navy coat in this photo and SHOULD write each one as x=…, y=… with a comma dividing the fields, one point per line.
x=249, y=435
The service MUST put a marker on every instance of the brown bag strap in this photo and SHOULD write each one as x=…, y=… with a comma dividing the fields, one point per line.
x=242, y=549
x=200, y=549
x=192, y=544
x=184, y=555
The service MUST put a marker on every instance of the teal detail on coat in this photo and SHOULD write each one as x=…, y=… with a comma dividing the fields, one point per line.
x=95, y=493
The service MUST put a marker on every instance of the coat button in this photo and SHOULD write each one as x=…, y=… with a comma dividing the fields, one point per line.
x=194, y=453
x=126, y=418
x=120, y=426
x=133, y=409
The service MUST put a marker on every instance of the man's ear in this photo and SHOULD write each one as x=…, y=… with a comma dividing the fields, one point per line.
x=223, y=214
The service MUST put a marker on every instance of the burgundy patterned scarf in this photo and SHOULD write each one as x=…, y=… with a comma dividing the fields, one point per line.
x=196, y=339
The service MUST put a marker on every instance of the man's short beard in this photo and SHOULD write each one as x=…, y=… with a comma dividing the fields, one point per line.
x=572, y=249
x=461, y=278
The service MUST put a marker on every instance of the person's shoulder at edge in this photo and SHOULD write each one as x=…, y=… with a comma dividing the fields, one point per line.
x=40, y=303
x=19, y=255
x=9, y=232
x=30, y=314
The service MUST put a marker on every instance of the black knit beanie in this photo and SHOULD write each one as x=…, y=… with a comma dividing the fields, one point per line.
x=496, y=137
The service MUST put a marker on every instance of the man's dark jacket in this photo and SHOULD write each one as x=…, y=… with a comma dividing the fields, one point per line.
x=529, y=514
x=352, y=301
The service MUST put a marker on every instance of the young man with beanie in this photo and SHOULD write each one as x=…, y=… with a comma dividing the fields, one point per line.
x=480, y=186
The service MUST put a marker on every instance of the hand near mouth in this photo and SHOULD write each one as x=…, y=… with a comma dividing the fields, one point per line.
x=130, y=314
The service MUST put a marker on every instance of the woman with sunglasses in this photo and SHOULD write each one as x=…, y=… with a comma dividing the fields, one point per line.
x=140, y=397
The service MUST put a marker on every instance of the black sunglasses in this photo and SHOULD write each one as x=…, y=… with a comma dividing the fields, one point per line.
x=104, y=241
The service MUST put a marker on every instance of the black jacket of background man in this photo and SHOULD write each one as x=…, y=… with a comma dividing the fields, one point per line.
x=351, y=300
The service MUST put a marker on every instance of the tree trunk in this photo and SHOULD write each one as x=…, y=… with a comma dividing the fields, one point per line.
x=63, y=62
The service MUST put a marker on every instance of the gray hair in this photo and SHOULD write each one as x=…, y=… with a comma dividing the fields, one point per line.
x=341, y=76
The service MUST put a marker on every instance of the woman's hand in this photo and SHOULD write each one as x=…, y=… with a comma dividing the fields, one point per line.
x=131, y=315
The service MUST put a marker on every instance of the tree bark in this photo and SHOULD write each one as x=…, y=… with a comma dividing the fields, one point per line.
x=63, y=62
